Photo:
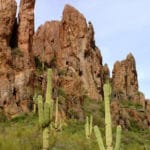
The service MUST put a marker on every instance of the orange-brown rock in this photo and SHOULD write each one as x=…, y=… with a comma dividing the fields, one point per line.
x=124, y=78
x=68, y=46
x=26, y=25
x=147, y=103
x=7, y=19
x=25, y=33
x=129, y=116
x=106, y=73
x=15, y=68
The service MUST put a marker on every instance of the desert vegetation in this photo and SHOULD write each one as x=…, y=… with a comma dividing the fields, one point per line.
x=31, y=131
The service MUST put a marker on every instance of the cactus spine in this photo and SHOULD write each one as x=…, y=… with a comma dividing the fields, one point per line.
x=108, y=127
x=88, y=126
x=45, y=111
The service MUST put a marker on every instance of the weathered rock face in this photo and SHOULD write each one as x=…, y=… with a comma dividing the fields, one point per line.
x=124, y=78
x=106, y=73
x=26, y=30
x=15, y=69
x=129, y=107
x=125, y=82
x=68, y=46
x=147, y=105
x=7, y=19
x=26, y=25
x=129, y=116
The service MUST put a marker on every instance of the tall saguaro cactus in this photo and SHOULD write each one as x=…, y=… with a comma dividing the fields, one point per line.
x=108, y=125
x=45, y=111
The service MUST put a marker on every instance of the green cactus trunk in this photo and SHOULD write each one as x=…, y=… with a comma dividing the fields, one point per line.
x=45, y=111
x=91, y=125
x=46, y=138
x=88, y=127
x=118, y=138
x=99, y=138
x=108, y=131
x=108, y=125
x=56, y=114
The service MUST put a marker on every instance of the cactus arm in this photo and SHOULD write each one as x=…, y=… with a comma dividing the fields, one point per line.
x=91, y=125
x=40, y=110
x=108, y=131
x=49, y=86
x=118, y=138
x=46, y=138
x=56, y=113
x=87, y=127
x=99, y=138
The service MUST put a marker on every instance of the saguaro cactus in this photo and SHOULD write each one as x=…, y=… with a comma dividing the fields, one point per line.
x=45, y=111
x=108, y=125
x=88, y=126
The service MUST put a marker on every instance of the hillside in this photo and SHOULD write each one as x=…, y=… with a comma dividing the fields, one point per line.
x=67, y=47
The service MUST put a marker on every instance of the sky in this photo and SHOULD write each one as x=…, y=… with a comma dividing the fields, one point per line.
x=121, y=27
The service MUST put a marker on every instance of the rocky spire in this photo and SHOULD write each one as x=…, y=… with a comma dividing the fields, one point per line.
x=7, y=19
x=124, y=78
x=70, y=43
x=26, y=25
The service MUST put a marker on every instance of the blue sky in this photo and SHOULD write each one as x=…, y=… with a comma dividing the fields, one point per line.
x=121, y=26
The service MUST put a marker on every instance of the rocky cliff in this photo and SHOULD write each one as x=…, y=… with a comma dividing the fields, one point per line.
x=129, y=105
x=15, y=60
x=68, y=47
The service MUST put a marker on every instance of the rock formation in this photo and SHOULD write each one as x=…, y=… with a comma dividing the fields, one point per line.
x=23, y=62
x=124, y=78
x=69, y=46
x=125, y=81
x=7, y=19
x=14, y=74
x=129, y=105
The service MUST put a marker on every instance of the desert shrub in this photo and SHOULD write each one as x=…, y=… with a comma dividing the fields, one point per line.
x=17, y=52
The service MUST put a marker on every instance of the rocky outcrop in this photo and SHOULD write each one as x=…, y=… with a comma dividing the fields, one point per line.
x=147, y=105
x=125, y=81
x=129, y=107
x=68, y=46
x=26, y=25
x=26, y=30
x=106, y=73
x=124, y=78
x=7, y=19
x=15, y=65
x=129, y=116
